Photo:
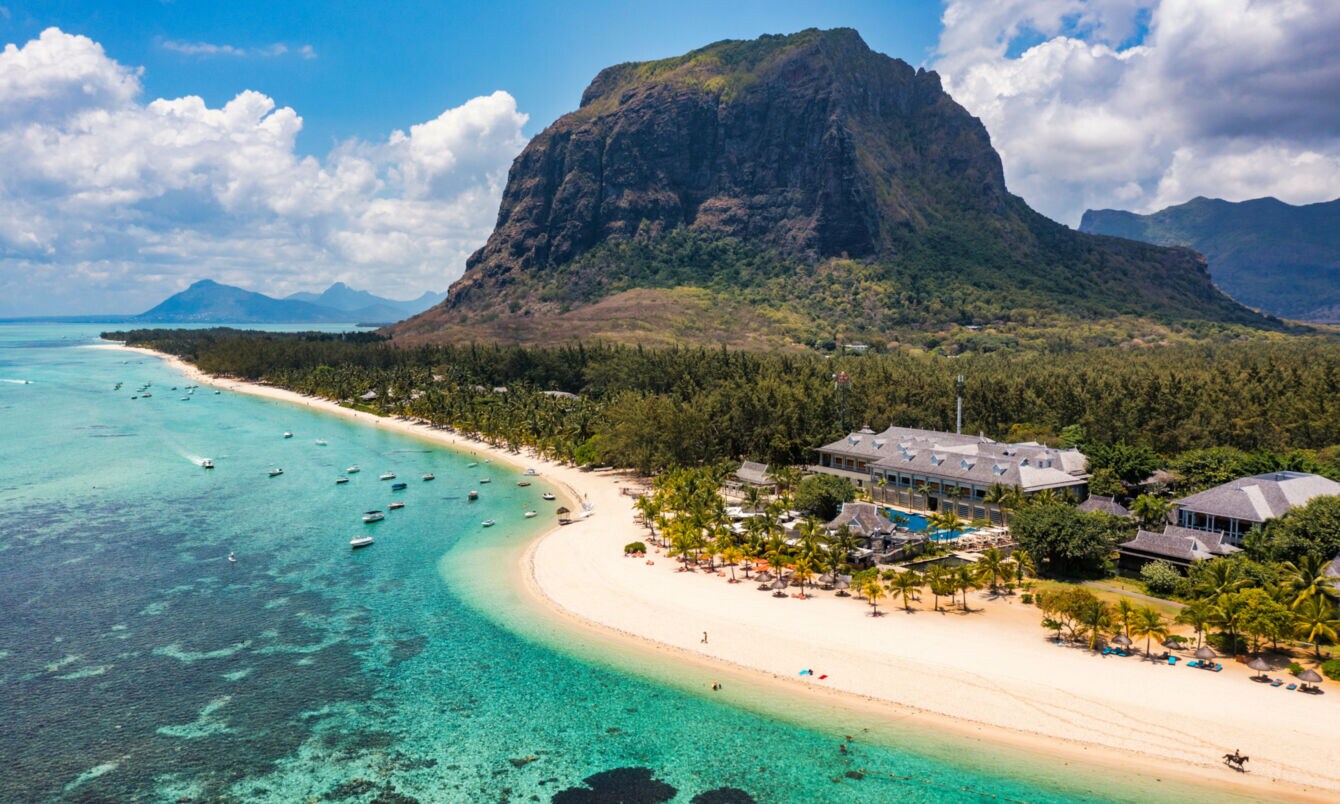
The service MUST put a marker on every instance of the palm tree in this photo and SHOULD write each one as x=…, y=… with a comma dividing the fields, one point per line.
x=1317, y=621
x=954, y=494
x=992, y=567
x=939, y=584
x=925, y=491
x=1124, y=612
x=946, y=520
x=1306, y=579
x=753, y=498
x=1219, y=578
x=873, y=590
x=803, y=572
x=1228, y=613
x=1196, y=615
x=1150, y=510
x=1096, y=617
x=1148, y=623
x=904, y=585
x=731, y=556
x=965, y=580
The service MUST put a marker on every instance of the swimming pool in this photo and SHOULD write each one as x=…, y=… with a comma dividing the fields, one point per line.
x=917, y=523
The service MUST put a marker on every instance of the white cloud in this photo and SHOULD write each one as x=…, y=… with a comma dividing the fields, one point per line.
x=209, y=50
x=1143, y=103
x=109, y=203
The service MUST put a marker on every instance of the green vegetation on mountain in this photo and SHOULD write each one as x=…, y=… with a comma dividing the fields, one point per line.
x=799, y=191
x=1280, y=258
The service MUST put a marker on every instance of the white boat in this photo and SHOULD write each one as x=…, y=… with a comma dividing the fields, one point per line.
x=373, y=516
x=488, y=523
x=532, y=472
x=276, y=472
x=473, y=495
x=321, y=442
x=232, y=559
x=216, y=393
x=530, y=514
x=387, y=476
x=186, y=399
x=360, y=541
x=288, y=434
x=395, y=506
x=341, y=480
x=486, y=480
x=547, y=496
x=352, y=470
x=430, y=476
x=206, y=464
x=471, y=465
x=146, y=394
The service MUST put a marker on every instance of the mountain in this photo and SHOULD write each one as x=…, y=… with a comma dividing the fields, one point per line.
x=340, y=296
x=792, y=190
x=208, y=301
x=1267, y=254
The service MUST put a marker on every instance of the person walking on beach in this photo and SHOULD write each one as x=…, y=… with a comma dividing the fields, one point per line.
x=704, y=637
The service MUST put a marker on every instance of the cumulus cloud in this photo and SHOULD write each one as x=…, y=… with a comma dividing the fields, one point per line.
x=109, y=203
x=1139, y=104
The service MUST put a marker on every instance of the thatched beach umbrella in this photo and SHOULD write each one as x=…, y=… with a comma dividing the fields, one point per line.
x=1260, y=665
x=1172, y=644
x=1310, y=676
x=562, y=510
x=1204, y=652
x=778, y=584
x=765, y=577
x=1122, y=640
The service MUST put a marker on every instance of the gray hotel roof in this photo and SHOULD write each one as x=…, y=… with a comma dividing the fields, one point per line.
x=1183, y=544
x=1260, y=497
x=964, y=458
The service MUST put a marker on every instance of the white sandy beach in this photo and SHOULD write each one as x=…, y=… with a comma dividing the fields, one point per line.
x=990, y=674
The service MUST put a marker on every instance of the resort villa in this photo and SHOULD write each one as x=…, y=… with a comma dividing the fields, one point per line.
x=938, y=471
x=1213, y=522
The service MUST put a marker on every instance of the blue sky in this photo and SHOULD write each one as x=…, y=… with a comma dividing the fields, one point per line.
x=283, y=146
x=380, y=66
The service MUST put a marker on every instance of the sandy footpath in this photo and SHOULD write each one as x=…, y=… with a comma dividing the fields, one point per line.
x=989, y=674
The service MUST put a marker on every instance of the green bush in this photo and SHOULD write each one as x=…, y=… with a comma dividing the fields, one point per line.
x=1331, y=669
x=634, y=547
x=1295, y=668
x=1160, y=578
x=1027, y=598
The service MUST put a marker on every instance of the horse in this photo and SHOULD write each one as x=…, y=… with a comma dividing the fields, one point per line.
x=1236, y=761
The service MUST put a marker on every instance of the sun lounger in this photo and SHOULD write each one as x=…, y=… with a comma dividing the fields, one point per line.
x=1193, y=663
x=1218, y=667
x=1291, y=687
x=1172, y=660
x=1277, y=683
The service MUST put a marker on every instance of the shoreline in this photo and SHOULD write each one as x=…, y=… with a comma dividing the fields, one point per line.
x=579, y=575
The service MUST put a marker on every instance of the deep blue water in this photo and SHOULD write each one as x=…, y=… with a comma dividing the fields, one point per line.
x=139, y=664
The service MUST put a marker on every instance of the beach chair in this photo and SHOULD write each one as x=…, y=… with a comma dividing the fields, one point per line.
x=1277, y=683
x=1291, y=687
x=1218, y=667
x=1172, y=660
x=1193, y=663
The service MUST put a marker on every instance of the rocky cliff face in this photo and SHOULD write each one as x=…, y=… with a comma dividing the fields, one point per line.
x=794, y=152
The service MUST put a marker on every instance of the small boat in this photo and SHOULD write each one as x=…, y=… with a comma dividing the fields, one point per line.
x=276, y=472
x=471, y=465
x=485, y=480
x=287, y=434
x=531, y=472
x=373, y=516
x=547, y=496
x=396, y=506
x=488, y=523
x=146, y=394
x=321, y=442
x=352, y=470
x=530, y=514
x=186, y=399
x=206, y=464
x=399, y=486
x=341, y=480
x=232, y=559
x=523, y=483
x=473, y=495
x=118, y=387
x=360, y=541
x=133, y=396
x=387, y=476
x=216, y=393
x=430, y=476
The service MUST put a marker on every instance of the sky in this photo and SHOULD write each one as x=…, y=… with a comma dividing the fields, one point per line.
x=282, y=146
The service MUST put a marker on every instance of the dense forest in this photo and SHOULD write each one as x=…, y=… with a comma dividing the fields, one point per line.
x=1205, y=409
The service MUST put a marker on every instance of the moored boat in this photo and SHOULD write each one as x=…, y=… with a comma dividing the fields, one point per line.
x=399, y=486
x=531, y=472
x=530, y=514
x=396, y=506
x=471, y=465
x=488, y=523
x=486, y=480
x=360, y=541
x=547, y=495
x=472, y=496
x=387, y=476
x=287, y=434
x=321, y=442
x=430, y=476
x=206, y=463
x=352, y=470
x=276, y=472
x=523, y=482
x=341, y=480
x=373, y=516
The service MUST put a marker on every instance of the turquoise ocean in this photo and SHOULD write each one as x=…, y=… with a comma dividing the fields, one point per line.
x=139, y=664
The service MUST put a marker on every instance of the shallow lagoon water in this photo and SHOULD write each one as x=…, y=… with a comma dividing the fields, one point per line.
x=140, y=664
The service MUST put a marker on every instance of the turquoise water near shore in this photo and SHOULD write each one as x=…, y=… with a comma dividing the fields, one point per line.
x=139, y=664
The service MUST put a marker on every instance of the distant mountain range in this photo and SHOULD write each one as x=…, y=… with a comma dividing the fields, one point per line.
x=208, y=301
x=1279, y=258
